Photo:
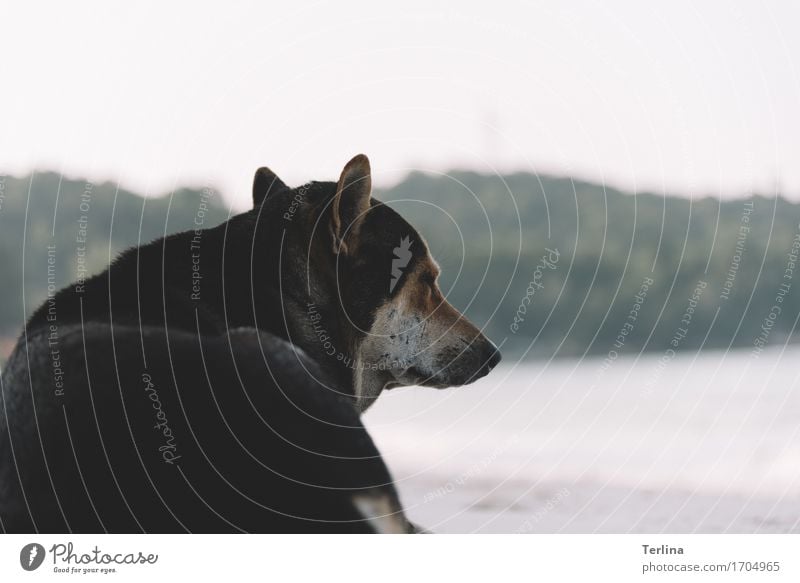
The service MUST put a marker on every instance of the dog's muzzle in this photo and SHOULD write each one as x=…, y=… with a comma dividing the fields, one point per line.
x=467, y=367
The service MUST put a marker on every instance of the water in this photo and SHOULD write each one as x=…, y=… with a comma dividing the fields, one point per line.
x=706, y=443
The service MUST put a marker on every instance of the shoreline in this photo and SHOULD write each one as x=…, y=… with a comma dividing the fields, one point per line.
x=586, y=507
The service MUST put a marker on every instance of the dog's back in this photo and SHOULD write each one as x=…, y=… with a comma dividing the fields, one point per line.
x=236, y=432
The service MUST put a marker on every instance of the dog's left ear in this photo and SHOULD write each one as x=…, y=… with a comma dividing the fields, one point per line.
x=266, y=182
x=350, y=202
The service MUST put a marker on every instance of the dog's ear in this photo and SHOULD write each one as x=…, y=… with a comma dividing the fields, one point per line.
x=265, y=183
x=350, y=202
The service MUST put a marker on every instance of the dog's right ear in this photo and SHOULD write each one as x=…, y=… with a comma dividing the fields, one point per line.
x=265, y=183
x=351, y=201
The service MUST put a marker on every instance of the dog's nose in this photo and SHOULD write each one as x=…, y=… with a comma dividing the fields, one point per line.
x=478, y=363
x=495, y=357
x=492, y=360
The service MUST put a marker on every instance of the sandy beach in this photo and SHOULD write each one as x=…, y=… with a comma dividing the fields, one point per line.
x=710, y=445
x=517, y=507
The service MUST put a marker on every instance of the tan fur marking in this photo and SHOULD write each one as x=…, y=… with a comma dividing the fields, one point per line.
x=413, y=339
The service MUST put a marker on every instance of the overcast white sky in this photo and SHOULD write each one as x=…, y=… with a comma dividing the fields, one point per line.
x=697, y=98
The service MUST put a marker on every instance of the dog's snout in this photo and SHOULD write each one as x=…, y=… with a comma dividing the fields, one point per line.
x=463, y=356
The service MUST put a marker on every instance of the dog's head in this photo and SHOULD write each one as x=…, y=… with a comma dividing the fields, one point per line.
x=381, y=283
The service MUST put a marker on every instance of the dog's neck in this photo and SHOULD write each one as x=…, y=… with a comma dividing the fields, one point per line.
x=317, y=326
x=301, y=297
x=315, y=323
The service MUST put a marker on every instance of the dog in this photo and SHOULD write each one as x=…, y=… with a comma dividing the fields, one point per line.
x=213, y=380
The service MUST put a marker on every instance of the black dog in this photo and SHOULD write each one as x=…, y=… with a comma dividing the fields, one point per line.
x=211, y=381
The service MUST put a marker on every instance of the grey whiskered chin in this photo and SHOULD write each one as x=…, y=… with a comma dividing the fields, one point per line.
x=407, y=376
x=455, y=373
x=417, y=376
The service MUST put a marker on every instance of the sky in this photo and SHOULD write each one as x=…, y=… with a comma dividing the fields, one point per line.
x=678, y=97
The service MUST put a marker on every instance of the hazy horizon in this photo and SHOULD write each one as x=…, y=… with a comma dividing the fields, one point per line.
x=241, y=204
x=682, y=99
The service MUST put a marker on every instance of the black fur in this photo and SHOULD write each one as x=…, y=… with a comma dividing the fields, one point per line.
x=261, y=418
